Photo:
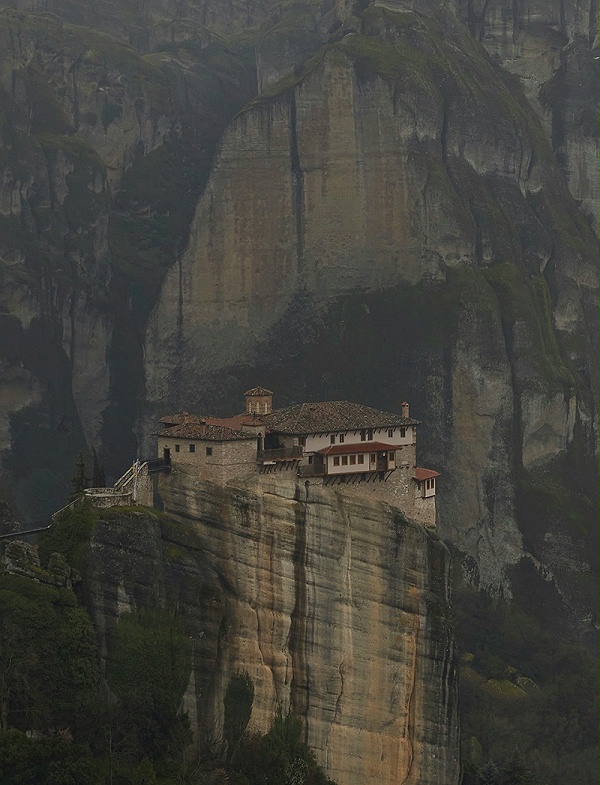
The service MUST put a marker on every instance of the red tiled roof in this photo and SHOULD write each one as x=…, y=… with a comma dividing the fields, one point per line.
x=330, y=416
x=236, y=422
x=424, y=474
x=208, y=432
x=344, y=449
x=178, y=419
x=258, y=391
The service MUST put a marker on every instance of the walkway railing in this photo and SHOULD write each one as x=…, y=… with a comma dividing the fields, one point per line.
x=280, y=454
x=68, y=506
x=120, y=488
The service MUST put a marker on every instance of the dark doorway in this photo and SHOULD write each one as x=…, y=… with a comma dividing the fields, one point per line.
x=167, y=456
x=382, y=463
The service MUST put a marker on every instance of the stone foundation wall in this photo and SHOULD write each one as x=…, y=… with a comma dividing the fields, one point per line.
x=107, y=497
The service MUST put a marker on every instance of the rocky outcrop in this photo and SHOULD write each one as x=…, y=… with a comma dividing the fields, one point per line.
x=336, y=606
x=20, y=558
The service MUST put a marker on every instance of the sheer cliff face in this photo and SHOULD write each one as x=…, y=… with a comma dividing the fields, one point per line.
x=402, y=161
x=387, y=221
x=336, y=606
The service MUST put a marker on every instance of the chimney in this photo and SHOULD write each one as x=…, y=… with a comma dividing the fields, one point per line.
x=259, y=401
x=404, y=406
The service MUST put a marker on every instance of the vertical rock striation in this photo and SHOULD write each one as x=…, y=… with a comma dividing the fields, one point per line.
x=336, y=606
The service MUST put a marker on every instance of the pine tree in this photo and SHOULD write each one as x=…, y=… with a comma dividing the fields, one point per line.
x=490, y=774
x=98, y=475
x=80, y=481
x=519, y=772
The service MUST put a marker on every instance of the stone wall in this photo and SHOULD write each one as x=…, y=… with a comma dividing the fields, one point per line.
x=401, y=491
x=108, y=497
x=225, y=461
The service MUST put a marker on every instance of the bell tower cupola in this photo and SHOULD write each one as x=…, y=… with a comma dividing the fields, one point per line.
x=259, y=401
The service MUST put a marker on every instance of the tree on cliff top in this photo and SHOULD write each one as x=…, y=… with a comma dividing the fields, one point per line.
x=80, y=481
x=98, y=474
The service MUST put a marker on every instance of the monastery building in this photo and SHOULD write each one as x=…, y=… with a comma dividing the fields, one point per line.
x=328, y=442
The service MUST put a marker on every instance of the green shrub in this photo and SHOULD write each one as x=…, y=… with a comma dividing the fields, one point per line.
x=238, y=701
x=281, y=757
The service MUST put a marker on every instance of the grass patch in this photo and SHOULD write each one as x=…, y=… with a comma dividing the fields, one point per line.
x=70, y=535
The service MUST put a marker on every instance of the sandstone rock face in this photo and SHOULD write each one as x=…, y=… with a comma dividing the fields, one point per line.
x=394, y=164
x=336, y=606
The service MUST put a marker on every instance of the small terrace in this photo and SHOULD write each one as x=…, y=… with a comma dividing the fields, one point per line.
x=280, y=454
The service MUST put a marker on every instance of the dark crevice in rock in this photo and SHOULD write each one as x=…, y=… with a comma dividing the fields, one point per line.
x=563, y=22
x=593, y=26
x=297, y=181
x=297, y=641
x=517, y=14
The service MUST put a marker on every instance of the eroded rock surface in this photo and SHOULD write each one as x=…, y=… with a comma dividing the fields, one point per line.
x=336, y=606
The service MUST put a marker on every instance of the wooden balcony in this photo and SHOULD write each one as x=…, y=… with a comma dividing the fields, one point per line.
x=280, y=454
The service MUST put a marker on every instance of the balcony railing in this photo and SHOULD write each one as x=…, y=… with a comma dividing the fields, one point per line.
x=280, y=454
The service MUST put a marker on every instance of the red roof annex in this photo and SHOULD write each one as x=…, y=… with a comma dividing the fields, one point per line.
x=344, y=449
x=424, y=474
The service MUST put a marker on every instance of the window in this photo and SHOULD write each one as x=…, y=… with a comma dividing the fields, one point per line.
x=363, y=436
x=192, y=448
x=344, y=460
x=209, y=450
x=390, y=432
x=342, y=438
x=177, y=446
x=391, y=456
x=372, y=457
x=352, y=460
x=332, y=438
x=302, y=441
x=402, y=432
x=360, y=459
x=336, y=461
x=310, y=459
x=370, y=435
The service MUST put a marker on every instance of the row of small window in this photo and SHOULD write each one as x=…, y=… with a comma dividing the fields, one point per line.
x=349, y=459
x=259, y=408
x=352, y=460
x=366, y=435
x=192, y=448
x=429, y=484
